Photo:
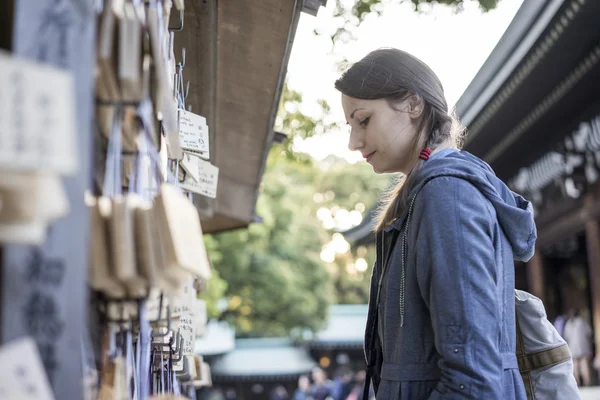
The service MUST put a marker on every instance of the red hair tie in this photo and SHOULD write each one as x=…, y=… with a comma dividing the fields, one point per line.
x=425, y=153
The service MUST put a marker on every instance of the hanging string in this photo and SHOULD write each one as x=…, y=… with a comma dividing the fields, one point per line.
x=145, y=343
x=112, y=177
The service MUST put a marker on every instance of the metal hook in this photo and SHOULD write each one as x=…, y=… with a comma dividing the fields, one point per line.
x=176, y=83
x=187, y=90
x=168, y=331
x=180, y=350
x=160, y=307
x=170, y=343
x=180, y=27
x=184, y=374
x=178, y=341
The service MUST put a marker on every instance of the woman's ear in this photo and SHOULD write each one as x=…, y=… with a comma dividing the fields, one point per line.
x=415, y=106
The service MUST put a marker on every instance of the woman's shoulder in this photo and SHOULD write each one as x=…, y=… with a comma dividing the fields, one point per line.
x=447, y=198
x=448, y=187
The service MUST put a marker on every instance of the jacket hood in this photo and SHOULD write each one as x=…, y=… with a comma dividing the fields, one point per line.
x=514, y=213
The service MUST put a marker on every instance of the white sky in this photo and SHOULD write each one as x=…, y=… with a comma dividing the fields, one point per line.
x=453, y=45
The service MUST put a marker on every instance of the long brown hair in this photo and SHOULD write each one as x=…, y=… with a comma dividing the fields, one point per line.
x=395, y=75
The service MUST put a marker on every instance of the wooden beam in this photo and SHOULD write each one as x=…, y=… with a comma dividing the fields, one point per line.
x=44, y=291
x=535, y=275
x=555, y=228
x=592, y=236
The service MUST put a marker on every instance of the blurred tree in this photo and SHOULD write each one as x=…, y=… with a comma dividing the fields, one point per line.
x=275, y=279
x=346, y=191
x=298, y=126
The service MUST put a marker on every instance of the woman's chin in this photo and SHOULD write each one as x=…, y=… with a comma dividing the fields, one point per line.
x=377, y=170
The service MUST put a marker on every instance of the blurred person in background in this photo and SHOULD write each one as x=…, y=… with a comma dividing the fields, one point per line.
x=342, y=384
x=279, y=393
x=230, y=394
x=303, y=392
x=578, y=335
x=322, y=388
x=559, y=324
x=357, y=389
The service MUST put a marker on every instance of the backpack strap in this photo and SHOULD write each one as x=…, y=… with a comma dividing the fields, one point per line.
x=538, y=360
x=367, y=385
x=520, y=352
x=544, y=358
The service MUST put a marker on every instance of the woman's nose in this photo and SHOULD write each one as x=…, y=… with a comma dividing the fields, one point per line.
x=356, y=142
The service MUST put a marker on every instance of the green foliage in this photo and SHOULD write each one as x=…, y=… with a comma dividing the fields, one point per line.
x=216, y=287
x=347, y=187
x=295, y=124
x=351, y=184
x=276, y=280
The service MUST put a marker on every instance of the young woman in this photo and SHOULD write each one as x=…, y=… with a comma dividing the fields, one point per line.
x=441, y=313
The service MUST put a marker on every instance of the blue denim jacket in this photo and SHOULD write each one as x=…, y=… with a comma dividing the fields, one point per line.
x=445, y=324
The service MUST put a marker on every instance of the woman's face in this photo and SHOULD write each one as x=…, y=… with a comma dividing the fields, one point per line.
x=384, y=135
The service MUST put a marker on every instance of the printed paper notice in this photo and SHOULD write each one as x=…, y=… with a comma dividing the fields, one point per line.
x=37, y=117
x=193, y=133
x=208, y=177
x=22, y=376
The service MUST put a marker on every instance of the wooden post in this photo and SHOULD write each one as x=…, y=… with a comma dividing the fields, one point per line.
x=536, y=281
x=44, y=291
x=592, y=236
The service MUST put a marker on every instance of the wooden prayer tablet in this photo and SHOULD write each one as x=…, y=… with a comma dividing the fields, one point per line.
x=101, y=277
x=107, y=86
x=183, y=242
x=130, y=53
x=123, y=245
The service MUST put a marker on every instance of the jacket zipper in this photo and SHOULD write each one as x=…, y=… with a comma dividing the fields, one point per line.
x=404, y=252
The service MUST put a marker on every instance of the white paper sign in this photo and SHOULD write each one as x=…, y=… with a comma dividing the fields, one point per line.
x=37, y=117
x=208, y=177
x=22, y=376
x=193, y=133
x=183, y=307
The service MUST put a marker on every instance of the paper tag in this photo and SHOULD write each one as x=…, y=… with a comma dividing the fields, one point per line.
x=183, y=306
x=187, y=321
x=206, y=185
x=193, y=133
x=191, y=165
x=37, y=117
x=22, y=376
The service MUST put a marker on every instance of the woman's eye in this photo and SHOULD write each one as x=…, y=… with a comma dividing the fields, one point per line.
x=363, y=122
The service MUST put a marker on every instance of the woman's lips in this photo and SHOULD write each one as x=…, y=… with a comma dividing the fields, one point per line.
x=368, y=156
